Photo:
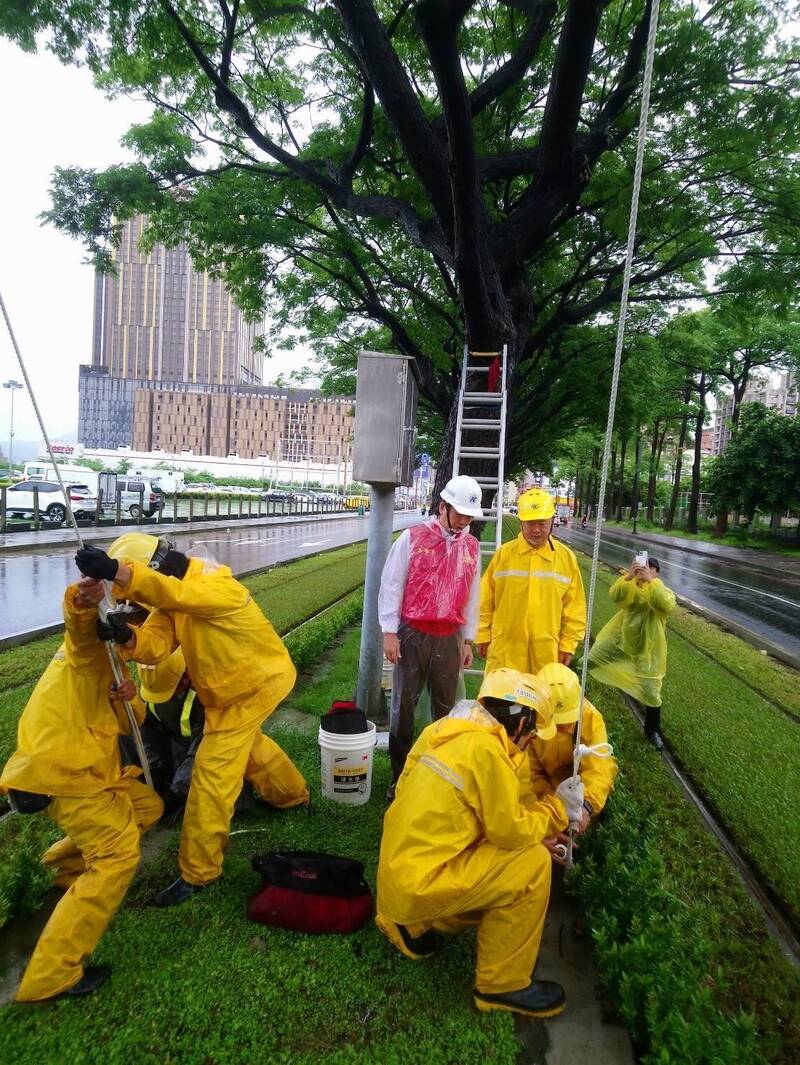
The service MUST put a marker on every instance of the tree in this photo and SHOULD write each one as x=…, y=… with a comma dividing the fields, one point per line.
x=417, y=175
x=760, y=468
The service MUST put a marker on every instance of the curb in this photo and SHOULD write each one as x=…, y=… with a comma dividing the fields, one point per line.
x=762, y=643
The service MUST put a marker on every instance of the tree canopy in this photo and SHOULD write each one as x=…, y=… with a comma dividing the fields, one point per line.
x=414, y=175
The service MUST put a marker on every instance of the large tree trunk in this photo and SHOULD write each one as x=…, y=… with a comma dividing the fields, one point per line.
x=611, y=484
x=621, y=494
x=656, y=444
x=694, y=498
x=676, y=477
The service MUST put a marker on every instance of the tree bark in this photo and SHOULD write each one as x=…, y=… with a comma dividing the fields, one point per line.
x=676, y=477
x=694, y=498
x=611, y=484
x=621, y=494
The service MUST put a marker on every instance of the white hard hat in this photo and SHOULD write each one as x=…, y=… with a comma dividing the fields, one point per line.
x=464, y=493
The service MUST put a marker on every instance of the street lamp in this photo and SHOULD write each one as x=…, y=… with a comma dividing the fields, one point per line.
x=12, y=386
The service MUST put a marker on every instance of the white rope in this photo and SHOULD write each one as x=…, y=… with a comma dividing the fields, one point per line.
x=612, y=402
x=108, y=604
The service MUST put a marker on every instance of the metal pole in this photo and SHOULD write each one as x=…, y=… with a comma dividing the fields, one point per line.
x=370, y=662
x=12, y=386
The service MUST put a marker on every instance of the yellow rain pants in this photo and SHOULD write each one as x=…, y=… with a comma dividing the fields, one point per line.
x=65, y=859
x=224, y=756
x=459, y=848
x=532, y=605
x=103, y=827
x=630, y=652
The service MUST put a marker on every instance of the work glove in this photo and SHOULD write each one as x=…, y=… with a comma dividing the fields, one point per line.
x=570, y=791
x=113, y=628
x=94, y=563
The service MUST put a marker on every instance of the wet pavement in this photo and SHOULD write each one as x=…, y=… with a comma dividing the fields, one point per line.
x=760, y=595
x=32, y=583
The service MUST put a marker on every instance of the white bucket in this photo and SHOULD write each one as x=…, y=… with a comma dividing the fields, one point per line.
x=346, y=763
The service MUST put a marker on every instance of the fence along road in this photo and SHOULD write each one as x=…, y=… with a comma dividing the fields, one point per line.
x=32, y=584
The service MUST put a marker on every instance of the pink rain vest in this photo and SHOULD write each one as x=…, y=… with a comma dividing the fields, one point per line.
x=440, y=572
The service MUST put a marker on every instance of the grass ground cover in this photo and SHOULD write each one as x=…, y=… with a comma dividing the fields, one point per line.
x=202, y=986
x=737, y=746
x=288, y=594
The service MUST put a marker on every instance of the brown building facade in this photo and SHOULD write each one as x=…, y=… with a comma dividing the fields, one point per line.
x=159, y=319
x=293, y=425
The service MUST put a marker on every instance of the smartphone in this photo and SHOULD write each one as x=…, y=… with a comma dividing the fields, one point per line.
x=640, y=558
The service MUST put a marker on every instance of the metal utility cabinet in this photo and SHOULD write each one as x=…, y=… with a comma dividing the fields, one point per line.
x=385, y=424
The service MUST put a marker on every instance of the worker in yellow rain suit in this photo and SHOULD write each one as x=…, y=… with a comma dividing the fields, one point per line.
x=459, y=848
x=532, y=608
x=630, y=652
x=551, y=761
x=240, y=669
x=68, y=749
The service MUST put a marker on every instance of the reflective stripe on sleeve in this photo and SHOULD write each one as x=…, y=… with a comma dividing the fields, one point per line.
x=442, y=770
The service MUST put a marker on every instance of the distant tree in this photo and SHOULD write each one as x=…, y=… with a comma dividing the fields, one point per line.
x=760, y=468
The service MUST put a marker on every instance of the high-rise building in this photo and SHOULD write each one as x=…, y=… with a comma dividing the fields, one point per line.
x=157, y=318
x=781, y=396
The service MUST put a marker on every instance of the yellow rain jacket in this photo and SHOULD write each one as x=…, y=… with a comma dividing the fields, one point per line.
x=630, y=652
x=231, y=650
x=551, y=760
x=532, y=605
x=68, y=732
x=461, y=787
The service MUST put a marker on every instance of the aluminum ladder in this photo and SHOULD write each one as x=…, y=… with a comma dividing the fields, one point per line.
x=472, y=411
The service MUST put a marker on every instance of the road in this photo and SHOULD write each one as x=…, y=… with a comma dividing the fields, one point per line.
x=32, y=584
x=763, y=599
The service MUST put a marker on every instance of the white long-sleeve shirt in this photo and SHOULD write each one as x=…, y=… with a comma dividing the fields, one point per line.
x=393, y=587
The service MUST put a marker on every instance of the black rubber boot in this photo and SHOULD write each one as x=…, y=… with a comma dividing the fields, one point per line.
x=541, y=998
x=390, y=793
x=399, y=936
x=94, y=976
x=652, y=726
x=177, y=892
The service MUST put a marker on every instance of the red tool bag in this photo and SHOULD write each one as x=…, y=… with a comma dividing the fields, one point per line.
x=305, y=891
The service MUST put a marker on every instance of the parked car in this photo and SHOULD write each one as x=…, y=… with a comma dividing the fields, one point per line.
x=134, y=489
x=275, y=495
x=52, y=505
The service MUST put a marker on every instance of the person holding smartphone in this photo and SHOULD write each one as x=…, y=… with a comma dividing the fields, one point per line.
x=630, y=652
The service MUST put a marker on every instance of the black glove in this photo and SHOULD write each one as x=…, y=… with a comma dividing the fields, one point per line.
x=113, y=628
x=94, y=563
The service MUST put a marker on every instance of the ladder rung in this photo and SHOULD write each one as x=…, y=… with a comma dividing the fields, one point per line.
x=481, y=398
x=486, y=480
x=473, y=672
x=477, y=369
x=480, y=423
x=479, y=452
x=487, y=550
x=486, y=354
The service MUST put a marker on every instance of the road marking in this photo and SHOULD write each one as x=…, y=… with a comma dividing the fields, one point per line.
x=316, y=543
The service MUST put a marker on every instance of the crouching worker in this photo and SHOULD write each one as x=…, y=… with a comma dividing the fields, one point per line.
x=460, y=849
x=551, y=760
x=68, y=751
x=172, y=728
x=240, y=669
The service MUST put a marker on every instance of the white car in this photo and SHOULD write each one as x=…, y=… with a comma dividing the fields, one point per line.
x=52, y=506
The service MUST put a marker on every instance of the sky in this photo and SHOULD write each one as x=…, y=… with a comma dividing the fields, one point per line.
x=47, y=288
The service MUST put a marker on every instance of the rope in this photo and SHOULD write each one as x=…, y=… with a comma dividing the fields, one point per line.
x=612, y=403
x=108, y=603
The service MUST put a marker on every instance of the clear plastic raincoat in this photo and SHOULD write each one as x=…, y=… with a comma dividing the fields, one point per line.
x=630, y=652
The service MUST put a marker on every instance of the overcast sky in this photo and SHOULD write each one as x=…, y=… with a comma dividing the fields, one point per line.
x=61, y=120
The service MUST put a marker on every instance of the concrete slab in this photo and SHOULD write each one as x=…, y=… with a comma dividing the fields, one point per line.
x=581, y=1034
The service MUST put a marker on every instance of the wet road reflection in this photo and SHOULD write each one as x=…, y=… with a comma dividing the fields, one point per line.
x=764, y=600
x=32, y=585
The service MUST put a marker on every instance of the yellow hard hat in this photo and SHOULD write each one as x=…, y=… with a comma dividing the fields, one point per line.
x=566, y=691
x=535, y=505
x=512, y=686
x=158, y=682
x=134, y=547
